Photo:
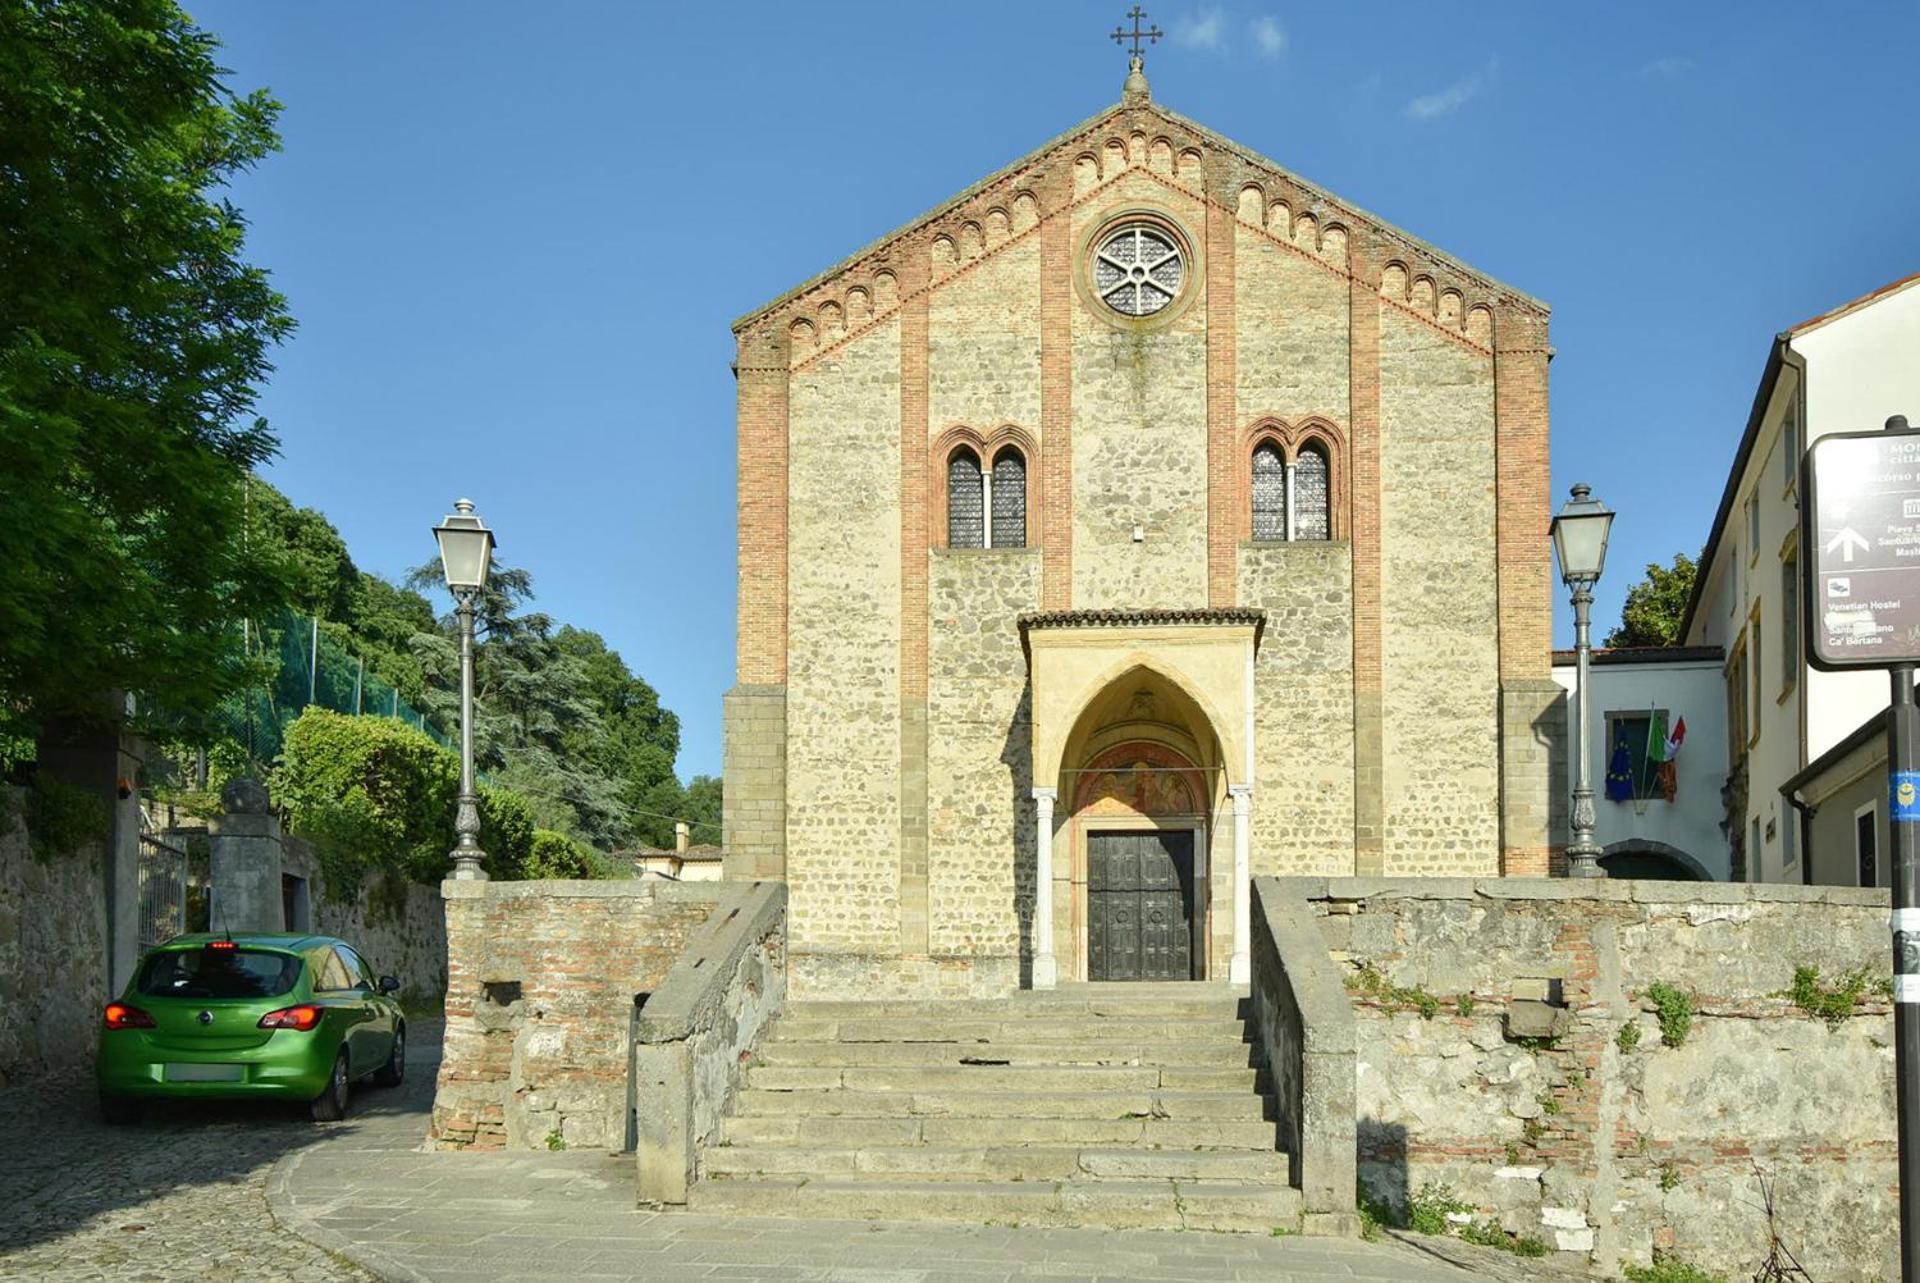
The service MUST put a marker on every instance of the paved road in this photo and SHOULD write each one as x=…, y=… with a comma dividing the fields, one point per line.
x=230, y=1194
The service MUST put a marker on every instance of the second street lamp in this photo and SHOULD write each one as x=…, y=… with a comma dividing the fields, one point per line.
x=466, y=555
x=1580, y=532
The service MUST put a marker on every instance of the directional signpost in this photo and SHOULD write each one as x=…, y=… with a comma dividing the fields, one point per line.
x=1860, y=550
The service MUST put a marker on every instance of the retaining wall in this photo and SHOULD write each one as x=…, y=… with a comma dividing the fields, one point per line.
x=1509, y=1046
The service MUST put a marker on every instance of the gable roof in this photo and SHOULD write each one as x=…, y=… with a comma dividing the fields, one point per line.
x=1078, y=134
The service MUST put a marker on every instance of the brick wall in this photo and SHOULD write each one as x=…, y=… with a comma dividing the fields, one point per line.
x=540, y=993
x=1608, y=1145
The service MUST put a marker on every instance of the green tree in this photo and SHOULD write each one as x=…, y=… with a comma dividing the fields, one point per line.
x=133, y=337
x=1657, y=605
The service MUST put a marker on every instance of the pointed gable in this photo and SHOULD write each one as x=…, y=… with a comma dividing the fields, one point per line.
x=868, y=286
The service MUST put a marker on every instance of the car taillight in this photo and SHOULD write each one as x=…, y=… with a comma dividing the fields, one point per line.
x=120, y=1016
x=302, y=1017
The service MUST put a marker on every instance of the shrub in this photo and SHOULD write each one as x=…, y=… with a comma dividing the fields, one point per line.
x=62, y=818
x=1667, y=1270
x=1674, y=1006
x=1831, y=1003
x=376, y=794
x=1428, y=1209
x=1629, y=1036
x=555, y=855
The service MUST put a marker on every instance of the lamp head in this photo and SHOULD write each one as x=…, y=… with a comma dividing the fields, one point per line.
x=1580, y=532
x=466, y=548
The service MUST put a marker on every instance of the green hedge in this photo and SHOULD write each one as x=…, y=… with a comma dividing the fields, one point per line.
x=376, y=795
x=556, y=855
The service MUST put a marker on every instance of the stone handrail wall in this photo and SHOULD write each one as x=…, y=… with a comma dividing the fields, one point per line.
x=1621, y=1069
x=692, y=1034
x=1306, y=1026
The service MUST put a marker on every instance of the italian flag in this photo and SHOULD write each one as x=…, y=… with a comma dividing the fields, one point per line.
x=1663, y=746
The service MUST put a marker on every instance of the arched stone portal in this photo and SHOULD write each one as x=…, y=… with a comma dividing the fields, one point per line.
x=1142, y=733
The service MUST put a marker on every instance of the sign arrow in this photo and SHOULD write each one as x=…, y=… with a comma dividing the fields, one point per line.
x=1846, y=541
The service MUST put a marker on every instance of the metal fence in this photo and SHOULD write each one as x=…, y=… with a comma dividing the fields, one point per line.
x=310, y=667
x=163, y=890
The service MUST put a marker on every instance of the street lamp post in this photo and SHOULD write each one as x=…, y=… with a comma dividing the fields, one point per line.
x=1580, y=541
x=466, y=554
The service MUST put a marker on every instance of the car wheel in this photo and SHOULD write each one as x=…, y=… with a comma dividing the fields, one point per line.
x=119, y=1111
x=330, y=1106
x=394, y=1071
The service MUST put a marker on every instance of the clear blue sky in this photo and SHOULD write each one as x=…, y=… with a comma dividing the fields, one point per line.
x=514, y=235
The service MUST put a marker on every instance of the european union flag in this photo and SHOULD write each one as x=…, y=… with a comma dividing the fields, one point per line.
x=1620, y=773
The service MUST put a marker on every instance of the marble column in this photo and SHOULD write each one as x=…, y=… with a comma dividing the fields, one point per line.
x=1046, y=972
x=1240, y=970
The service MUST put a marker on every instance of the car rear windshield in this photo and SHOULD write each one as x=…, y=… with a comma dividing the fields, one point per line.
x=218, y=973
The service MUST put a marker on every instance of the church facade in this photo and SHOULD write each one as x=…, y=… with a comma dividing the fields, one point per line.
x=1141, y=520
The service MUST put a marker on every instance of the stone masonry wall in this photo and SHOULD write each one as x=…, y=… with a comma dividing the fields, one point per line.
x=979, y=749
x=53, y=953
x=983, y=347
x=754, y=804
x=542, y=978
x=1440, y=599
x=843, y=685
x=1605, y=1141
x=1290, y=331
x=1303, y=706
x=410, y=945
x=1140, y=440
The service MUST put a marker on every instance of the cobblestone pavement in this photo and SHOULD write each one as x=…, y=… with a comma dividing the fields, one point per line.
x=180, y=1196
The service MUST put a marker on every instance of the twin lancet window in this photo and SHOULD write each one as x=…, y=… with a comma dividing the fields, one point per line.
x=1290, y=498
x=986, y=509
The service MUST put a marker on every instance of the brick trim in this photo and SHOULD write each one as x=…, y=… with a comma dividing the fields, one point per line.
x=761, y=443
x=1056, y=396
x=1364, y=473
x=1223, y=570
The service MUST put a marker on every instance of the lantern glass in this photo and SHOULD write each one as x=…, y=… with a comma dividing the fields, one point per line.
x=1580, y=532
x=466, y=549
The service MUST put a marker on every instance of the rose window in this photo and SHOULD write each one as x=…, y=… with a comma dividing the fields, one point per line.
x=1137, y=270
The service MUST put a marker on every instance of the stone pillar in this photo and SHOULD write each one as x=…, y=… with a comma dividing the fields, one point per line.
x=246, y=862
x=1240, y=969
x=1046, y=972
x=754, y=802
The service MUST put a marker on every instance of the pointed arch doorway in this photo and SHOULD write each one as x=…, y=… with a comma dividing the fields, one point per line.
x=1143, y=807
x=1142, y=724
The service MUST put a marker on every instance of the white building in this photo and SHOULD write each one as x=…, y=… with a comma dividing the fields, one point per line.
x=1847, y=370
x=1647, y=834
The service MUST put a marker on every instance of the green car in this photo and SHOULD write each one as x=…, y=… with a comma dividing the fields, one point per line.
x=268, y=1015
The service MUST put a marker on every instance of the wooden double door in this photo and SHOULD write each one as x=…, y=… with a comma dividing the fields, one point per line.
x=1141, y=918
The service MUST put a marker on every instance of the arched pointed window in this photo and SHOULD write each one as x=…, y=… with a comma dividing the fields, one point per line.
x=1269, y=493
x=1009, y=500
x=1312, y=494
x=966, y=501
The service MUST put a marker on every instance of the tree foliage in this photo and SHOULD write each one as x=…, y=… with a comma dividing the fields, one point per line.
x=133, y=337
x=1657, y=605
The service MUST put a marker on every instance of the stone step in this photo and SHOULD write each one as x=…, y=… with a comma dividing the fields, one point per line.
x=999, y=1133
x=1009, y=1078
x=1220, y=1053
x=795, y=1026
x=1118, y=1204
x=1235, y=1106
x=1206, y=1003
x=1020, y=1163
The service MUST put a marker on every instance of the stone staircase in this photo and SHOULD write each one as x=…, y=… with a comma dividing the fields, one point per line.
x=1116, y=1105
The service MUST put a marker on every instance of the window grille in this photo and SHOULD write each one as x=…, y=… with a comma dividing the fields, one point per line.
x=966, y=502
x=1009, y=500
x=1137, y=270
x=1311, y=517
x=1269, y=493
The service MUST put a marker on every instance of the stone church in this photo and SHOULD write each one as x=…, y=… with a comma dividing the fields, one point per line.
x=1142, y=519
